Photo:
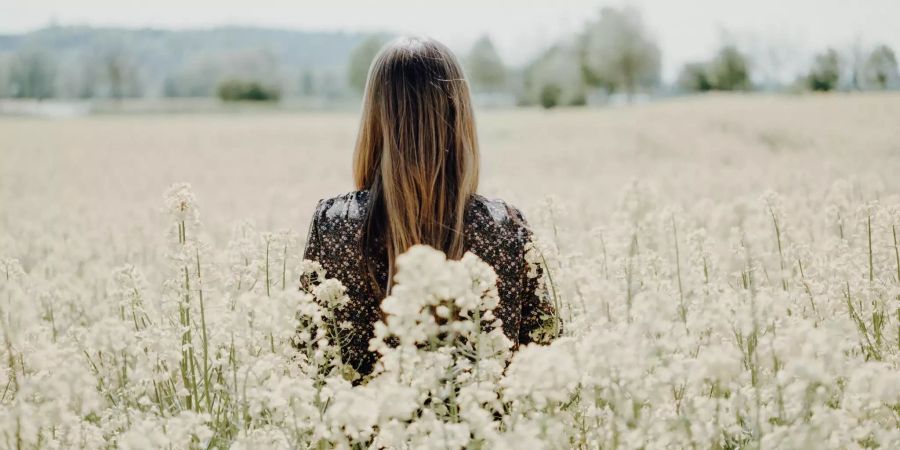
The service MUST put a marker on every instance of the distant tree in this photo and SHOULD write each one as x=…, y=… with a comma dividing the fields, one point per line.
x=729, y=70
x=853, y=65
x=202, y=76
x=307, y=83
x=880, y=69
x=485, y=68
x=4, y=77
x=331, y=85
x=234, y=90
x=775, y=56
x=119, y=70
x=196, y=78
x=82, y=80
x=694, y=77
x=550, y=95
x=825, y=72
x=555, y=78
x=32, y=74
x=361, y=59
x=618, y=52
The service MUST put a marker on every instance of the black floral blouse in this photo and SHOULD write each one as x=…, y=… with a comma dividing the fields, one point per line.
x=494, y=231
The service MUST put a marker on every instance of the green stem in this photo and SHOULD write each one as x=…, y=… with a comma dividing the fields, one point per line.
x=267, y=268
x=780, y=250
x=682, y=309
x=896, y=251
x=869, y=233
x=204, y=336
x=556, y=304
x=284, y=269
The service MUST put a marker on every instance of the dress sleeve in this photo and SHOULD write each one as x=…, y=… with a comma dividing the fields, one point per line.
x=540, y=322
x=313, y=245
x=312, y=251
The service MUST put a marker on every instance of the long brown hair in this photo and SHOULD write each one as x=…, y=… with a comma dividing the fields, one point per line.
x=417, y=150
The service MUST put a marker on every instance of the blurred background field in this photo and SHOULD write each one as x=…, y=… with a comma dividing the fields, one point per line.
x=271, y=167
x=257, y=106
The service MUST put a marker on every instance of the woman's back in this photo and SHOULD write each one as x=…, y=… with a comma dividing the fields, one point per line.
x=493, y=230
x=416, y=170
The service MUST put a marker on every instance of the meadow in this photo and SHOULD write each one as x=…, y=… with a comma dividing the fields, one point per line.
x=727, y=268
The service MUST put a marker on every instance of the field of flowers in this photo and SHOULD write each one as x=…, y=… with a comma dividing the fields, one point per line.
x=727, y=269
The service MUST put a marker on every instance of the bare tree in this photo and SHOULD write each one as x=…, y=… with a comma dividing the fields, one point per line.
x=307, y=83
x=880, y=69
x=776, y=57
x=114, y=61
x=853, y=64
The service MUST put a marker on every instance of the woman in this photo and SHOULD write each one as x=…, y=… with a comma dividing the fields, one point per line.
x=416, y=171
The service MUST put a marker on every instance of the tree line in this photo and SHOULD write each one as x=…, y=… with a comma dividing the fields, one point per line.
x=614, y=54
x=232, y=62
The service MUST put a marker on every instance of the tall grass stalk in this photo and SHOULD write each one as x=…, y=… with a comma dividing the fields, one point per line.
x=682, y=309
x=869, y=236
x=896, y=251
x=783, y=274
x=204, y=335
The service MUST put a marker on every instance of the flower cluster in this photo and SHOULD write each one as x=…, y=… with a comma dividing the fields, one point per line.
x=759, y=323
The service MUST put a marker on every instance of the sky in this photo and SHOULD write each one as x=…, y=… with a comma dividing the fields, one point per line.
x=783, y=33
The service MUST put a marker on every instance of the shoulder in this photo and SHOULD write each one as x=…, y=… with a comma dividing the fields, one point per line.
x=351, y=206
x=497, y=213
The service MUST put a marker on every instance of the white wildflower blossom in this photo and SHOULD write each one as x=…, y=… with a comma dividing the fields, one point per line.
x=773, y=324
